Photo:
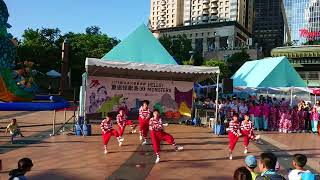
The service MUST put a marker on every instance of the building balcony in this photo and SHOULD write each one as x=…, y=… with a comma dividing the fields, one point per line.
x=205, y=1
x=162, y=24
x=163, y=13
x=205, y=6
x=214, y=17
x=214, y=5
x=214, y=11
x=163, y=3
x=205, y=12
x=215, y=1
x=163, y=8
x=205, y=18
x=162, y=18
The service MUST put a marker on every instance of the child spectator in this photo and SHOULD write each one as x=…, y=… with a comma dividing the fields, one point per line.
x=314, y=119
x=298, y=162
x=242, y=173
x=251, y=164
x=267, y=166
x=14, y=129
x=24, y=166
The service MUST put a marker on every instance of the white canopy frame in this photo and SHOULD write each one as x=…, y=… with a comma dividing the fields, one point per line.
x=131, y=70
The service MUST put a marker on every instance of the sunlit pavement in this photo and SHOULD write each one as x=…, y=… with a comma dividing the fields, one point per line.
x=205, y=156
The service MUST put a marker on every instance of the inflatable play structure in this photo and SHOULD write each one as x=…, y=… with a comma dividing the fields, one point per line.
x=17, y=86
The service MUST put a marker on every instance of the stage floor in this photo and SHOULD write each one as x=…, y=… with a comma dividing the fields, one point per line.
x=205, y=156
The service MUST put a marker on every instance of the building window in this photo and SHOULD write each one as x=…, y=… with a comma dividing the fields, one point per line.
x=172, y=21
x=196, y=34
x=226, y=9
x=190, y=35
x=226, y=14
x=226, y=2
x=208, y=33
x=221, y=4
x=202, y=34
x=193, y=7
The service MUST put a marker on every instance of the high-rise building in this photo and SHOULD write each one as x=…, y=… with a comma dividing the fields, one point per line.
x=173, y=13
x=303, y=18
x=166, y=13
x=269, y=25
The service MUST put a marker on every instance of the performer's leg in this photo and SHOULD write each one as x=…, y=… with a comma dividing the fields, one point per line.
x=156, y=144
x=106, y=138
x=121, y=130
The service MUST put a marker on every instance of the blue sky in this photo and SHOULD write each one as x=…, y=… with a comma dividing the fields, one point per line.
x=117, y=18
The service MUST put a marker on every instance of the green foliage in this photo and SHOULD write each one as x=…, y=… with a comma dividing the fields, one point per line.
x=224, y=69
x=197, y=59
x=178, y=46
x=236, y=60
x=313, y=42
x=43, y=46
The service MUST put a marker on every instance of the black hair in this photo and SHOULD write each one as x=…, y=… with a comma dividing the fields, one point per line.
x=269, y=160
x=109, y=114
x=300, y=159
x=156, y=110
x=247, y=114
x=242, y=173
x=235, y=115
x=24, y=165
x=145, y=102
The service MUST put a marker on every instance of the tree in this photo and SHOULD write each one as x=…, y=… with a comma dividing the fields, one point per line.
x=236, y=60
x=179, y=46
x=43, y=46
x=93, y=30
x=224, y=69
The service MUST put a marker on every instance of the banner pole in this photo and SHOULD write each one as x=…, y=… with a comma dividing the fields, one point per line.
x=217, y=98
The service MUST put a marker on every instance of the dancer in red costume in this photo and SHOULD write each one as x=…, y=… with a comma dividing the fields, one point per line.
x=122, y=122
x=234, y=133
x=108, y=131
x=247, y=132
x=144, y=117
x=157, y=134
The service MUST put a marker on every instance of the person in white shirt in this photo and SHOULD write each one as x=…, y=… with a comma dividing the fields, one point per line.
x=299, y=161
x=243, y=109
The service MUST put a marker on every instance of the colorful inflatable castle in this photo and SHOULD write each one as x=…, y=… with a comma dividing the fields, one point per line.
x=16, y=79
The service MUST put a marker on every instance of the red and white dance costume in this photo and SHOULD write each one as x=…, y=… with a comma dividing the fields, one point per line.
x=234, y=133
x=144, y=117
x=274, y=120
x=295, y=120
x=122, y=122
x=157, y=135
x=285, y=122
x=302, y=117
x=107, y=132
x=247, y=133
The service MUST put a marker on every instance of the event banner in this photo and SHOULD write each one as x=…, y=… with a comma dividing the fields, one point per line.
x=107, y=94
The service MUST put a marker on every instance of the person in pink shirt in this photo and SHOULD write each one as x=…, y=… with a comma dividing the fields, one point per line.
x=314, y=119
x=295, y=119
x=273, y=121
x=257, y=116
x=266, y=113
x=251, y=111
x=285, y=121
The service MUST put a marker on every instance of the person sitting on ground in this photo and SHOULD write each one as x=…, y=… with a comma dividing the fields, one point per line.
x=251, y=164
x=242, y=173
x=14, y=129
x=298, y=162
x=267, y=166
x=24, y=166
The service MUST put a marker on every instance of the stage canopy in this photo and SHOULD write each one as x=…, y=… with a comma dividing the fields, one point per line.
x=140, y=47
x=97, y=67
x=267, y=73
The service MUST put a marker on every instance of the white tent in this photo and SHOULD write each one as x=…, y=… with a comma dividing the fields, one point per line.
x=130, y=70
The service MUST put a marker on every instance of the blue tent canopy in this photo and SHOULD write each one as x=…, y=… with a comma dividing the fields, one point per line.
x=266, y=73
x=140, y=47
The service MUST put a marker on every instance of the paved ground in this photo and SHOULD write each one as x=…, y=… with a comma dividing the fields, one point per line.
x=204, y=157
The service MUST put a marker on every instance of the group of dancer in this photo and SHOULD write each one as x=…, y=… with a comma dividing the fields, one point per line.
x=146, y=123
x=243, y=129
x=272, y=114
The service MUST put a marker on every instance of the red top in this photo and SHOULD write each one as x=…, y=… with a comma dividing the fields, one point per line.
x=106, y=126
x=144, y=114
x=121, y=120
x=234, y=127
x=247, y=127
x=155, y=124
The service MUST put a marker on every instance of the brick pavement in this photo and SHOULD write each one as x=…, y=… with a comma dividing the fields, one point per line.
x=205, y=155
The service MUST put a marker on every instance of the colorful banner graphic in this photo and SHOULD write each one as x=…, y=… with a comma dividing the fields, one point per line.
x=106, y=94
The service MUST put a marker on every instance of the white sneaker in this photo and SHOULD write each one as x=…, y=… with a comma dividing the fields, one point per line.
x=179, y=148
x=105, y=151
x=120, y=143
x=144, y=142
x=257, y=137
x=157, y=160
x=140, y=138
x=230, y=156
x=133, y=131
x=121, y=139
x=245, y=151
